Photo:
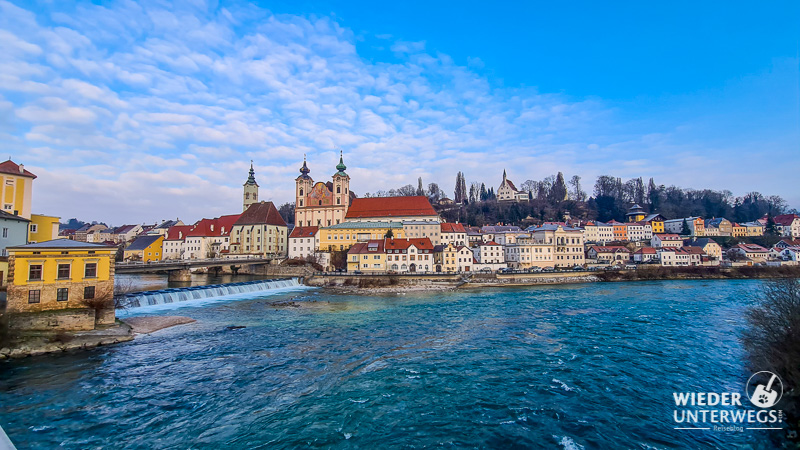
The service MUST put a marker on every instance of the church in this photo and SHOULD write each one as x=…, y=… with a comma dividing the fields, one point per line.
x=322, y=204
x=508, y=192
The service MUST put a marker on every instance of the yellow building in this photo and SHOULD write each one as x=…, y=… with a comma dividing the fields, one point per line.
x=635, y=214
x=346, y=234
x=17, y=189
x=149, y=247
x=60, y=285
x=43, y=228
x=367, y=257
x=658, y=226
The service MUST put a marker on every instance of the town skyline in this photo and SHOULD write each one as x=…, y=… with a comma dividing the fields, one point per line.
x=137, y=112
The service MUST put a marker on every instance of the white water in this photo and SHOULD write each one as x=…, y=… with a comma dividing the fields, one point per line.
x=203, y=295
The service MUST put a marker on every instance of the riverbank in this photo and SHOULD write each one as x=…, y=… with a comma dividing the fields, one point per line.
x=150, y=324
x=35, y=344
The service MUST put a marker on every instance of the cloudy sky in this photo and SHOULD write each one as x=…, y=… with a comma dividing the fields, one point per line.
x=141, y=111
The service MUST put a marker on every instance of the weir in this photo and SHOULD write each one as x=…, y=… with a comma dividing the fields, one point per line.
x=160, y=297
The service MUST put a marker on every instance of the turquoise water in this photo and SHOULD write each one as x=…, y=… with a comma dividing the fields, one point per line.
x=591, y=365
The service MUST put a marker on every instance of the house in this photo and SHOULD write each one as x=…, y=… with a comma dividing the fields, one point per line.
x=394, y=209
x=367, y=256
x=567, y=242
x=17, y=189
x=786, y=243
x=638, y=231
x=488, y=256
x=454, y=233
x=508, y=192
x=209, y=238
x=645, y=254
x=474, y=236
x=43, y=228
x=696, y=226
x=753, y=252
x=259, y=231
x=709, y=247
x=598, y=233
x=164, y=226
x=303, y=242
x=409, y=255
x=620, y=231
x=13, y=232
x=145, y=248
x=666, y=240
x=753, y=229
x=173, y=244
x=526, y=251
x=738, y=230
x=82, y=232
x=718, y=226
x=60, y=285
x=656, y=222
x=125, y=233
x=790, y=254
x=788, y=225
x=454, y=259
x=98, y=235
x=679, y=256
x=608, y=254
x=490, y=232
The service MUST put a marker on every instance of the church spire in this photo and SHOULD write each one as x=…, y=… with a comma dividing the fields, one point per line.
x=251, y=179
x=504, y=174
x=304, y=170
x=341, y=167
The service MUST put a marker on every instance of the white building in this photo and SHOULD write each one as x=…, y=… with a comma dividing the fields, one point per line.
x=666, y=240
x=508, y=192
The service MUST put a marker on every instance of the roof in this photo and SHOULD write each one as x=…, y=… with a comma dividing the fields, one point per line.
x=300, y=232
x=551, y=227
x=510, y=184
x=453, y=228
x=645, y=251
x=714, y=223
x=480, y=244
x=261, y=213
x=220, y=226
x=785, y=219
x=699, y=242
x=652, y=217
x=500, y=229
x=12, y=168
x=402, y=244
x=8, y=216
x=752, y=248
x=178, y=232
x=167, y=224
x=61, y=244
x=390, y=207
x=668, y=236
x=372, y=246
x=142, y=242
x=609, y=248
x=362, y=225
x=124, y=229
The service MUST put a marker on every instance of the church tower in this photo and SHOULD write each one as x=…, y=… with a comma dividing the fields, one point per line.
x=341, y=188
x=250, y=189
x=302, y=189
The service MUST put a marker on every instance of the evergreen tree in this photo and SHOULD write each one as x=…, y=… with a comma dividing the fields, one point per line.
x=484, y=194
x=685, y=228
x=472, y=198
x=458, y=195
x=558, y=192
x=389, y=234
x=770, y=228
x=463, y=189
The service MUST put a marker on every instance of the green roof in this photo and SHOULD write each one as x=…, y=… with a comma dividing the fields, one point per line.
x=355, y=225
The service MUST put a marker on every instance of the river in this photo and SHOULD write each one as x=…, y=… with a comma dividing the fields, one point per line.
x=571, y=366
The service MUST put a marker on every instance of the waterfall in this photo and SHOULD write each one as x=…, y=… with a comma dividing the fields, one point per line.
x=137, y=299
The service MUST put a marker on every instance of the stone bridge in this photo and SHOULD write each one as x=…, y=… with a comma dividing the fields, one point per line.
x=180, y=269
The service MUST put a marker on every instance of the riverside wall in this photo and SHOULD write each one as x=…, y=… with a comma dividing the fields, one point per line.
x=446, y=280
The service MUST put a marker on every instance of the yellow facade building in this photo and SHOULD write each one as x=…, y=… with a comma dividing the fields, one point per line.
x=17, y=189
x=60, y=285
x=346, y=234
x=145, y=248
x=43, y=228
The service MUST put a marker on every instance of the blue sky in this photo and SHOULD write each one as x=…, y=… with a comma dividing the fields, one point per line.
x=141, y=111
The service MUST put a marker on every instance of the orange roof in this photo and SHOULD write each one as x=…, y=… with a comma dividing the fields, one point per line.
x=453, y=228
x=262, y=213
x=403, y=244
x=390, y=207
x=12, y=168
x=299, y=232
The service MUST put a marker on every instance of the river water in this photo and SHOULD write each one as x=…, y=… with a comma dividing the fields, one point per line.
x=588, y=365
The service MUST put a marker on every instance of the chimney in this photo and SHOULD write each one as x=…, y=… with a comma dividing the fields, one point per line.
x=212, y=227
x=22, y=168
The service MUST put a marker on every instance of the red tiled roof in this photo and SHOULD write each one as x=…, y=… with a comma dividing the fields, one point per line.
x=752, y=248
x=487, y=243
x=785, y=219
x=511, y=184
x=390, y=207
x=668, y=237
x=646, y=251
x=220, y=226
x=448, y=227
x=403, y=244
x=177, y=232
x=609, y=248
x=12, y=168
x=299, y=232
x=363, y=247
x=124, y=229
x=260, y=214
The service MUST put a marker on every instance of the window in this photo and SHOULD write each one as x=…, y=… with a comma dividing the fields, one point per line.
x=35, y=272
x=88, y=292
x=62, y=294
x=5, y=232
x=34, y=228
x=63, y=271
x=90, y=270
x=34, y=296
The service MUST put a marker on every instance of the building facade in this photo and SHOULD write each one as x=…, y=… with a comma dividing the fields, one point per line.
x=508, y=192
x=260, y=232
x=322, y=204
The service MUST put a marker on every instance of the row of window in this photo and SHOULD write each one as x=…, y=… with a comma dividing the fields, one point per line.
x=64, y=271
x=62, y=294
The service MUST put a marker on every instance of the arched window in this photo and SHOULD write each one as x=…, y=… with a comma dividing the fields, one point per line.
x=301, y=192
x=320, y=203
x=338, y=201
x=338, y=189
x=247, y=196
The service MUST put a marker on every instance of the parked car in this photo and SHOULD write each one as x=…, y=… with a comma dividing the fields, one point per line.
x=549, y=269
x=630, y=266
x=577, y=268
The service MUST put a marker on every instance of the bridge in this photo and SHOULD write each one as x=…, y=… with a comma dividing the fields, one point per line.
x=179, y=269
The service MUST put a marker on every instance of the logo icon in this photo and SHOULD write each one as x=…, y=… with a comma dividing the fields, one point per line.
x=764, y=389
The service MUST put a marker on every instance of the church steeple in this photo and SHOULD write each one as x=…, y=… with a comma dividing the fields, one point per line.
x=504, y=174
x=251, y=179
x=341, y=167
x=304, y=170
